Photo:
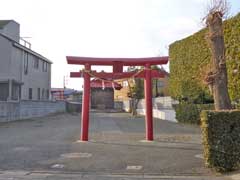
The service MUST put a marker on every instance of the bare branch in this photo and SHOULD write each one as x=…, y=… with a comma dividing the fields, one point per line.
x=221, y=6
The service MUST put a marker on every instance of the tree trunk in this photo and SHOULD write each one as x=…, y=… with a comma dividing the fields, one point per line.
x=134, y=106
x=217, y=79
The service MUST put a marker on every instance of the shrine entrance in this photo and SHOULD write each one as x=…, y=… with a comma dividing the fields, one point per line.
x=117, y=63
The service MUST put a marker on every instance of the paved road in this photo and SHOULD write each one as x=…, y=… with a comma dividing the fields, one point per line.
x=48, y=148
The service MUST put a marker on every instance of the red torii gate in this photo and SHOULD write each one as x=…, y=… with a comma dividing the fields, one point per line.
x=117, y=73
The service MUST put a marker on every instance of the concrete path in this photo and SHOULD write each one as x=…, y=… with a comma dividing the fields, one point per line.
x=48, y=148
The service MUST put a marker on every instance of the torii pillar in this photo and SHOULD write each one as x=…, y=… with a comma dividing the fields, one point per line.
x=148, y=103
x=85, y=104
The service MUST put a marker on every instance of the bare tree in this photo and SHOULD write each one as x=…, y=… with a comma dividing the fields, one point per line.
x=136, y=91
x=217, y=77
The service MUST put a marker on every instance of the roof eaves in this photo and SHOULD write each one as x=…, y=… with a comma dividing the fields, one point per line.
x=31, y=52
x=18, y=45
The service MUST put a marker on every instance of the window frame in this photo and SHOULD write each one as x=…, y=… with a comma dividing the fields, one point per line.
x=36, y=63
x=39, y=93
x=26, y=59
x=30, y=93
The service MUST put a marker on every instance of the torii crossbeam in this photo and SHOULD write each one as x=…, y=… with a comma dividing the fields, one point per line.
x=117, y=73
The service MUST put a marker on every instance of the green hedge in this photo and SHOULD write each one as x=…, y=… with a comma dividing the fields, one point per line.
x=190, y=113
x=190, y=57
x=221, y=139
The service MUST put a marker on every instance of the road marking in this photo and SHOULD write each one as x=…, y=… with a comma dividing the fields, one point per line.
x=80, y=141
x=57, y=166
x=77, y=155
x=200, y=156
x=146, y=141
x=134, y=167
x=23, y=149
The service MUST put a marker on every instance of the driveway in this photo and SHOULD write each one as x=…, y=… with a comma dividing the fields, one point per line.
x=48, y=148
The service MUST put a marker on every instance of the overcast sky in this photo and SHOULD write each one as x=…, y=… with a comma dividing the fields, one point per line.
x=103, y=28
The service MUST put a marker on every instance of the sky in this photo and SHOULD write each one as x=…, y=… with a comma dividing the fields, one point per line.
x=104, y=28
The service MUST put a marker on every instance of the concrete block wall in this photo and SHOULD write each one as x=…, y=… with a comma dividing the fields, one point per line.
x=162, y=108
x=118, y=105
x=10, y=111
x=126, y=105
x=158, y=103
x=164, y=114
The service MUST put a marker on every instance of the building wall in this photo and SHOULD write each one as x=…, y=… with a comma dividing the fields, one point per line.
x=5, y=56
x=35, y=78
x=12, y=68
x=12, y=30
x=15, y=69
x=122, y=95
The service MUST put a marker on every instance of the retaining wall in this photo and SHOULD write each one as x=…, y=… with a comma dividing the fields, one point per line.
x=10, y=111
x=162, y=108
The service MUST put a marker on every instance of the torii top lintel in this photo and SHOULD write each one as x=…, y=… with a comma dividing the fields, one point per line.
x=114, y=61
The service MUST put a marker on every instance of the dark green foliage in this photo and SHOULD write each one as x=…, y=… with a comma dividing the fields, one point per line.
x=190, y=59
x=190, y=113
x=221, y=139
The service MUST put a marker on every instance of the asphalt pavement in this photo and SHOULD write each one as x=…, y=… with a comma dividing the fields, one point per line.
x=49, y=148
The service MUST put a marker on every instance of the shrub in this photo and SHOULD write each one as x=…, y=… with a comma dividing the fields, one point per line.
x=221, y=139
x=190, y=113
x=190, y=58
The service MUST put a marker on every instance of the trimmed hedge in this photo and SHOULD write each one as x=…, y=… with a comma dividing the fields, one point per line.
x=221, y=139
x=190, y=113
x=190, y=59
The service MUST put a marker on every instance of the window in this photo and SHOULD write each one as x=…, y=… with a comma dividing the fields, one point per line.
x=36, y=63
x=44, y=66
x=25, y=56
x=47, y=93
x=43, y=94
x=4, y=91
x=39, y=93
x=30, y=94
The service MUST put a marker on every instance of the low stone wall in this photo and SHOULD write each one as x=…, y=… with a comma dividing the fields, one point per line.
x=162, y=108
x=158, y=103
x=118, y=105
x=127, y=106
x=164, y=114
x=72, y=107
x=10, y=111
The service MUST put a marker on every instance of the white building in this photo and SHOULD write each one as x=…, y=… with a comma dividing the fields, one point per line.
x=24, y=74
